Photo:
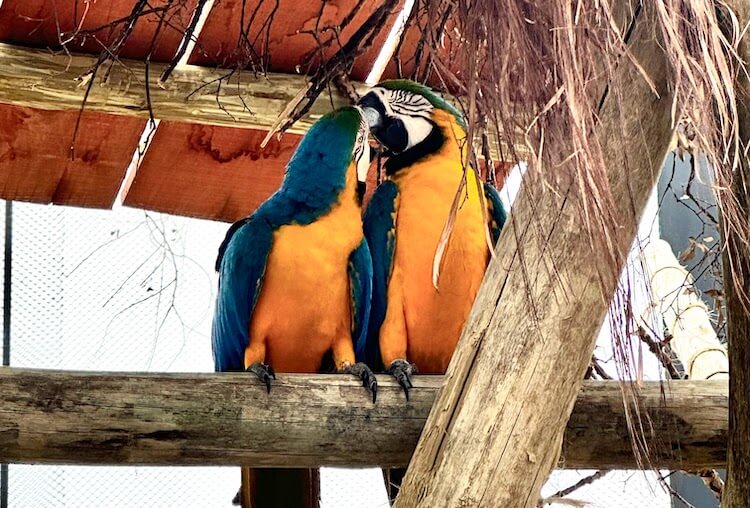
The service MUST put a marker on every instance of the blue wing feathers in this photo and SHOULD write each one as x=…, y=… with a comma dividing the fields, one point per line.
x=380, y=232
x=242, y=264
x=496, y=211
x=360, y=283
x=316, y=175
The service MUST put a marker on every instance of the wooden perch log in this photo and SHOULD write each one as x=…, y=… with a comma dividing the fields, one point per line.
x=52, y=417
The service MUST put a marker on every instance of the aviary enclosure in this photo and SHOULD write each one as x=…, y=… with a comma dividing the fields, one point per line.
x=193, y=108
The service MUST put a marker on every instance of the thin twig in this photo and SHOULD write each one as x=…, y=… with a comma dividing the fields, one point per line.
x=659, y=350
x=587, y=480
x=189, y=31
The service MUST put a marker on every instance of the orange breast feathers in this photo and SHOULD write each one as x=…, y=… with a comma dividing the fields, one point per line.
x=422, y=323
x=304, y=308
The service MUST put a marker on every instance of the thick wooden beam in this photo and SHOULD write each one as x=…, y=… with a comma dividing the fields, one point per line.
x=40, y=79
x=51, y=417
x=496, y=429
x=194, y=94
x=736, y=283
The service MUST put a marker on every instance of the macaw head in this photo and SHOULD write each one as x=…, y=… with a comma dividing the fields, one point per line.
x=325, y=154
x=403, y=114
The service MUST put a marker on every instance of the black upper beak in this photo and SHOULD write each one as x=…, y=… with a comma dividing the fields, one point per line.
x=373, y=110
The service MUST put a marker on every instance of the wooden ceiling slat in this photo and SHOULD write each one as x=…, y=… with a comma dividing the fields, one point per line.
x=35, y=23
x=287, y=42
x=35, y=159
x=211, y=172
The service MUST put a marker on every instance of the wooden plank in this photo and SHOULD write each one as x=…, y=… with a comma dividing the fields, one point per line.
x=192, y=94
x=38, y=79
x=212, y=172
x=496, y=429
x=736, y=260
x=38, y=23
x=282, y=30
x=35, y=157
x=310, y=420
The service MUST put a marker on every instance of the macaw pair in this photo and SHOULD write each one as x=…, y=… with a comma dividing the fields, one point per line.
x=306, y=278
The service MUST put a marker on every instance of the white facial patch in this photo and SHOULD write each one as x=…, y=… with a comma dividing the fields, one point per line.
x=418, y=129
x=361, y=153
x=414, y=110
x=402, y=103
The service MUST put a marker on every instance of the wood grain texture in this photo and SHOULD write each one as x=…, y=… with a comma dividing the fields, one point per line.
x=38, y=23
x=496, y=429
x=281, y=34
x=36, y=163
x=51, y=417
x=736, y=282
x=206, y=171
x=39, y=79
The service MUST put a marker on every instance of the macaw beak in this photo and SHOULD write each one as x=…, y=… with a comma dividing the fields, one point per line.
x=369, y=105
x=363, y=165
x=372, y=117
x=362, y=154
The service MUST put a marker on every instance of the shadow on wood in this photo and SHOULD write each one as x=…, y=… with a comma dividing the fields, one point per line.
x=68, y=417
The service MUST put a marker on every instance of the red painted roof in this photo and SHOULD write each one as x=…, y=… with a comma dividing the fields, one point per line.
x=35, y=23
x=214, y=172
x=283, y=32
x=36, y=163
x=195, y=170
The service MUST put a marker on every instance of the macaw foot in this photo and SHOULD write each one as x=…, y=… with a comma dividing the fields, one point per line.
x=402, y=370
x=264, y=372
x=364, y=373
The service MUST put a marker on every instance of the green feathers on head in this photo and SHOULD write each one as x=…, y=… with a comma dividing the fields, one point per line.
x=348, y=118
x=319, y=164
x=426, y=92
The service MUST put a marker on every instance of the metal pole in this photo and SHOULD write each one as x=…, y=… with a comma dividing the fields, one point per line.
x=4, y=478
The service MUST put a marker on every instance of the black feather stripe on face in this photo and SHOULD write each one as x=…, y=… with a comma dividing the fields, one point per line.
x=431, y=144
x=401, y=121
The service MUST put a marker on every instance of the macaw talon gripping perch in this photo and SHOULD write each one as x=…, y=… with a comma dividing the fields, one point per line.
x=264, y=372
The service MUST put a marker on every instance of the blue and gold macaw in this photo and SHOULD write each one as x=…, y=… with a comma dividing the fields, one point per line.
x=295, y=276
x=415, y=323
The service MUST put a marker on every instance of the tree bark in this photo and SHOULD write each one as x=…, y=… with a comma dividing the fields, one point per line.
x=60, y=417
x=737, y=281
x=497, y=426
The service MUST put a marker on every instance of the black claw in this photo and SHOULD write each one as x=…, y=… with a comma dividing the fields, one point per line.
x=402, y=370
x=364, y=373
x=264, y=372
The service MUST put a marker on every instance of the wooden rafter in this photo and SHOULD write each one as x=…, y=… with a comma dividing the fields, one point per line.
x=212, y=419
x=194, y=94
x=40, y=79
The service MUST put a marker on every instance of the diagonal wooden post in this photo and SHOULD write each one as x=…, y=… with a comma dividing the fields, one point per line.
x=496, y=428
